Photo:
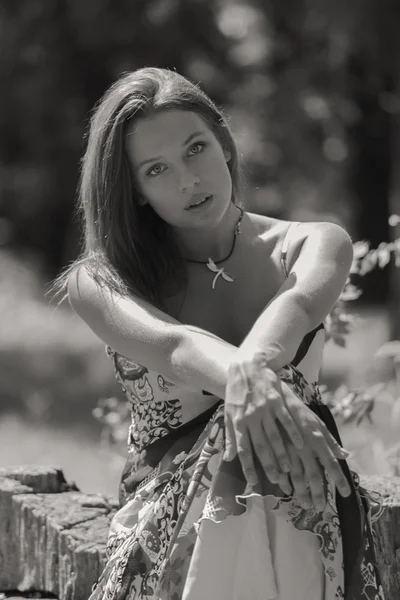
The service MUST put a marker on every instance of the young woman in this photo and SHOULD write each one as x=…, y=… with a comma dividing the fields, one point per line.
x=236, y=485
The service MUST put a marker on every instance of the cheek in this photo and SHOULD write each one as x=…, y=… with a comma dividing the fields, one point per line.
x=215, y=162
x=161, y=195
x=157, y=188
x=220, y=171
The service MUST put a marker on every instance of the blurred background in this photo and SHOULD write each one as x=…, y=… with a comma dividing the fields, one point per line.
x=312, y=90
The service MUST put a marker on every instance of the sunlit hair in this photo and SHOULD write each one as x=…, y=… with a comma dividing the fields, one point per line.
x=127, y=246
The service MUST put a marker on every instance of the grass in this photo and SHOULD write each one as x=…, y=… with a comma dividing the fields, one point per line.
x=50, y=360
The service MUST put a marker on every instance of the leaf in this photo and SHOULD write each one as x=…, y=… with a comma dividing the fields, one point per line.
x=396, y=245
x=383, y=252
x=389, y=350
x=394, y=220
x=360, y=249
x=374, y=390
x=339, y=340
x=368, y=262
x=350, y=292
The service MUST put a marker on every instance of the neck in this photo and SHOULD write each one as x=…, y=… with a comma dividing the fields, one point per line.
x=215, y=243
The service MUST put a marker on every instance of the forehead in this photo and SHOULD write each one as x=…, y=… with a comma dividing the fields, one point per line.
x=154, y=134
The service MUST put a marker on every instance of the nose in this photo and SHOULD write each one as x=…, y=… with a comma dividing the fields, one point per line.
x=188, y=180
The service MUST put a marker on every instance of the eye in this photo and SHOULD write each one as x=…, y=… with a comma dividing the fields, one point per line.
x=196, y=148
x=155, y=170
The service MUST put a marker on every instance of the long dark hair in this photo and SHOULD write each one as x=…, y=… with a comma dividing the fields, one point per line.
x=127, y=246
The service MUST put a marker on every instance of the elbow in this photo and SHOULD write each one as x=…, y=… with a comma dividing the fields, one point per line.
x=84, y=293
x=341, y=246
x=312, y=314
x=305, y=307
x=179, y=350
x=73, y=292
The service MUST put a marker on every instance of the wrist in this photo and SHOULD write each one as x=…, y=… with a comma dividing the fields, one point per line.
x=272, y=356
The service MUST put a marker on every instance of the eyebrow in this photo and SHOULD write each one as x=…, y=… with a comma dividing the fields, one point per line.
x=150, y=160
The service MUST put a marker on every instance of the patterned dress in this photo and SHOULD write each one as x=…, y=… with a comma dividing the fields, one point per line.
x=189, y=527
x=188, y=523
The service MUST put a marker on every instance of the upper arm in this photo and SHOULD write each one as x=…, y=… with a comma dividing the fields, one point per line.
x=319, y=261
x=131, y=326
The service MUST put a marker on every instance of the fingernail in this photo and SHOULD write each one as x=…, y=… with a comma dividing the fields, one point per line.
x=285, y=467
x=273, y=477
x=345, y=452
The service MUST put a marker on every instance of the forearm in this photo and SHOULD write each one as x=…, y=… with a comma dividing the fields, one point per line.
x=279, y=330
x=306, y=297
x=201, y=359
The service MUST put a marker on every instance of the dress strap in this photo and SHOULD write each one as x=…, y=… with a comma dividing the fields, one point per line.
x=285, y=247
x=305, y=345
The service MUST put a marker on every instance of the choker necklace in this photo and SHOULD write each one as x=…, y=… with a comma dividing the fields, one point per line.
x=212, y=265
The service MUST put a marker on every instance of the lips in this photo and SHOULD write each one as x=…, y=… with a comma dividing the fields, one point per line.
x=198, y=199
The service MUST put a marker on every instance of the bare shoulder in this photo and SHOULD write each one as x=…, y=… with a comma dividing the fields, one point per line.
x=89, y=296
x=83, y=291
x=277, y=229
x=266, y=228
x=318, y=235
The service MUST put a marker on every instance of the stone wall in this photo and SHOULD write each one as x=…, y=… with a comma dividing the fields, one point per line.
x=53, y=537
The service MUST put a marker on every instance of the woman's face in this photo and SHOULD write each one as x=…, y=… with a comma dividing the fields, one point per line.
x=177, y=160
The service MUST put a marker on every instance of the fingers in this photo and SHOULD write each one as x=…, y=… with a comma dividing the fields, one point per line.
x=264, y=452
x=336, y=448
x=230, y=440
x=256, y=422
x=245, y=454
x=273, y=392
x=331, y=464
x=322, y=443
x=315, y=477
x=308, y=479
x=297, y=477
x=284, y=484
x=297, y=410
x=276, y=443
x=256, y=431
x=284, y=417
x=250, y=442
x=239, y=440
x=266, y=429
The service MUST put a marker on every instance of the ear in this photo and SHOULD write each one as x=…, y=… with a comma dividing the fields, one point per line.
x=227, y=155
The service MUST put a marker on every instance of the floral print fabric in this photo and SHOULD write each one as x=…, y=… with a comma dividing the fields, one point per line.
x=175, y=478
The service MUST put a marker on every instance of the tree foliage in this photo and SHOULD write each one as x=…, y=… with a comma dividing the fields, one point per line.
x=311, y=86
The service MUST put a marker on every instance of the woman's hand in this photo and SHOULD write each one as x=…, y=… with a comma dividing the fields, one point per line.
x=306, y=480
x=257, y=403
